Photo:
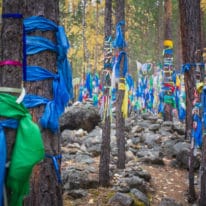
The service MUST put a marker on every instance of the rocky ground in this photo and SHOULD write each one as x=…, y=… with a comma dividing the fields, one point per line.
x=166, y=182
x=156, y=168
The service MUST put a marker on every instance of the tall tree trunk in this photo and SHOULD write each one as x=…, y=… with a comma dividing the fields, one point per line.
x=96, y=51
x=168, y=66
x=178, y=50
x=104, y=178
x=11, y=42
x=202, y=199
x=191, y=44
x=45, y=189
x=168, y=19
x=85, y=60
x=203, y=31
x=202, y=196
x=120, y=123
x=160, y=24
x=11, y=47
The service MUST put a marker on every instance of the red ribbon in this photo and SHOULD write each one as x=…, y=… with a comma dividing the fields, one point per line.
x=170, y=86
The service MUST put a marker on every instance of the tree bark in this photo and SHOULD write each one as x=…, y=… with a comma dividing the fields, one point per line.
x=11, y=49
x=191, y=44
x=120, y=123
x=168, y=19
x=45, y=189
x=120, y=127
x=104, y=178
x=168, y=36
x=202, y=199
x=84, y=42
x=11, y=42
x=160, y=34
x=203, y=163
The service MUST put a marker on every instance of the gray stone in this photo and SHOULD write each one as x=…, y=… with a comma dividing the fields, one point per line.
x=136, y=182
x=169, y=202
x=167, y=148
x=84, y=158
x=153, y=160
x=151, y=156
x=144, y=124
x=135, y=140
x=146, y=116
x=180, y=146
x=120, y=199
x=160, y=121
x=167, y=124
x=182, y=160
x=129, y=156
x=69, y=136
x=122, y=188
x=154, y=127
x=140, y=196
x=94, y=150
x=84, y=116
x=179, y=128
x=165, y=132
x=142, y=174
x=73, y=179
x=76, y=194
x=94, y=138
x=137, y=129
x=153, y=118
x=151, y=139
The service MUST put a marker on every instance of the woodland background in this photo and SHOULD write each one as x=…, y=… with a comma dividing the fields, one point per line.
x=143, y=32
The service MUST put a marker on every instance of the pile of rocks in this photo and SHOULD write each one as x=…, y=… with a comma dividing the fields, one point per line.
x=148, y=141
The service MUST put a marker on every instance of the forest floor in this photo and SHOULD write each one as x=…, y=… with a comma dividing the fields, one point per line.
x=166, y=181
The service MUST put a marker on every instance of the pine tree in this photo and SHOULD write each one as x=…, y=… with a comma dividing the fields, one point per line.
x=104, y=178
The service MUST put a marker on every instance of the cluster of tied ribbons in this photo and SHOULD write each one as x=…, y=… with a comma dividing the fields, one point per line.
x=145, y=88
x=199, y=103
x=111, y=76
x=29, y=150
x=168, y=81
x=172, y=91
x=120, y=55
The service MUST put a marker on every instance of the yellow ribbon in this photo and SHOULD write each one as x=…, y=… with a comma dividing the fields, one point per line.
x=178, y=82
x=1, y=5
x=121, y=86
x=168, y=43
x=199, y=87
x=125, y=104
x=169, y=71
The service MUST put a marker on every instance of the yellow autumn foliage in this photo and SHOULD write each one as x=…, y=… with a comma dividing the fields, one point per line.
x=93, y=34
x=203, y=5
x=75, y=29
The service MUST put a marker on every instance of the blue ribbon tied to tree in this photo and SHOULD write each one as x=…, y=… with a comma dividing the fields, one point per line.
x=119, y=41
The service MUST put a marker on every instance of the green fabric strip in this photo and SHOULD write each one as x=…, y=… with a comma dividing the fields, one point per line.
x=169, y=100
x=28, y=149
